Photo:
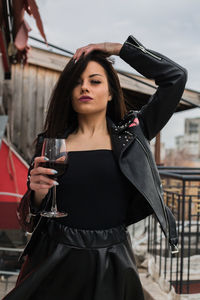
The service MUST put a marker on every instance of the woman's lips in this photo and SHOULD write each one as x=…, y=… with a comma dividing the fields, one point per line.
x=85, y=99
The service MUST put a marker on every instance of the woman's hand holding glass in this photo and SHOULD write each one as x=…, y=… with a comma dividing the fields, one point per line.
x=40, y=182
x=47, y=168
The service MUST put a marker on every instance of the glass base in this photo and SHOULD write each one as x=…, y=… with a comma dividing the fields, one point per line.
x=53, y=214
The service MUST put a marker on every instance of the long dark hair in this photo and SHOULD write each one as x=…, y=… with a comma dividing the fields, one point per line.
x=61, y=114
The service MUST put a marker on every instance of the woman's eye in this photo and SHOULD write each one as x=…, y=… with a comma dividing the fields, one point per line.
x=92, y=82
x=96, y=81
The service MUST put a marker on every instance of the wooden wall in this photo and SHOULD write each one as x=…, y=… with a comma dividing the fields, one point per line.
x=31, y=89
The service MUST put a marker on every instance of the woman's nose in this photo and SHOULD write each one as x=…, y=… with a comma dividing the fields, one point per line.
x=84, y=86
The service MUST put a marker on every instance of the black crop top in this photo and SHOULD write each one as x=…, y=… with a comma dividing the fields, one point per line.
x=93, y=191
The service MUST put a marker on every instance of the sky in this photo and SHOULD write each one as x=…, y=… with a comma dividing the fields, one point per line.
x=169, y=27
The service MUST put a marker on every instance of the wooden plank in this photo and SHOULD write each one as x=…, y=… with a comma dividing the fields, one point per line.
x=47, y=90
x=41, y=73
x=17, y=106
x=192, y=96
x=24, y=109
x=31, y=118
x=132, y=85
x=50, y=82
x=128, y=83
x=11, y=110
x=47, y=59
x=140, y=77
x=11, y=115
x=7, y=96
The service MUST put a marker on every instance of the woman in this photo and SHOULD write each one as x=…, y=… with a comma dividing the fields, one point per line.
x=112, y=180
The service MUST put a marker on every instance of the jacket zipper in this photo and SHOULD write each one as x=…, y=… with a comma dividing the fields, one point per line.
x=143, y=147
x=142, y=48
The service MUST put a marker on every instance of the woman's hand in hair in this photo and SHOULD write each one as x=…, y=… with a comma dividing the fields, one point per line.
x=109, y=48
x=40, y=183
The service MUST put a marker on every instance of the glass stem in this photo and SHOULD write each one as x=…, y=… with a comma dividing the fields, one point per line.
x=54, y=204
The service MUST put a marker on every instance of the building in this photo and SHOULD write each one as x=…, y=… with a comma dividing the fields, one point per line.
x=179, y=142
x=162, y=150
x=190, y=141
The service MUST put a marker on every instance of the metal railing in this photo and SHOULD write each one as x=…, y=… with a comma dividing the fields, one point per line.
x=9, y=264
x=182, y=195
x=9, y=267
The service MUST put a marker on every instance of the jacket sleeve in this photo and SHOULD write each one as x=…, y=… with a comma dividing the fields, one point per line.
x=168, y=75
x=28, y=214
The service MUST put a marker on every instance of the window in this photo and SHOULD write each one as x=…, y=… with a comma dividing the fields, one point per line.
x=193, y=128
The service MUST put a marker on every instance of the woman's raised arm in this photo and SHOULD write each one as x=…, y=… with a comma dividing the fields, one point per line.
x=168, y=75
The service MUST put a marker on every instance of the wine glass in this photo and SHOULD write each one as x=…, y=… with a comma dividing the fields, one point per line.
x=55, y=150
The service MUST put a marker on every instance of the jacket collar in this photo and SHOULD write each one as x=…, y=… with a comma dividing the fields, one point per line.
x=121, y=135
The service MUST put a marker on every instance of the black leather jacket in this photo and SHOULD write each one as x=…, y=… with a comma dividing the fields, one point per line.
x=130, y=143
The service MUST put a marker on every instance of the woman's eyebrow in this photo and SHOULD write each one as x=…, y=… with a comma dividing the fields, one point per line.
x=95, y=75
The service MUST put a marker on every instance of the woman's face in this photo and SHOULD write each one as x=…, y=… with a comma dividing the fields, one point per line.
x=94, y=84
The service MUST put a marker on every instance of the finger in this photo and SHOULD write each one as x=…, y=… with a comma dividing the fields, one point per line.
x=39, y=159
x=84, y=51
x=36, y=180
x=41, y=178
x=39, y=186
x=62, y=158
x=77, y=53
x=79, y=50
x=44, y=171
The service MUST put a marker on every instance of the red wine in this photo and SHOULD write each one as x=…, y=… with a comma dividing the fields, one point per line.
x=60, y=167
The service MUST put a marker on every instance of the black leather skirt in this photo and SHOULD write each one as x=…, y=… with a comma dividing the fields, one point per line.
x=73, y=264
